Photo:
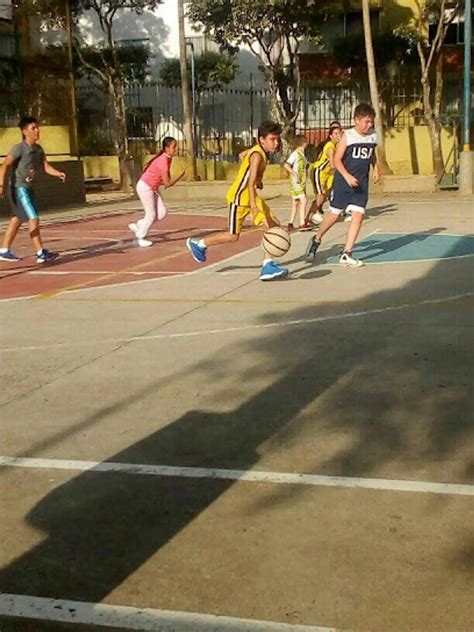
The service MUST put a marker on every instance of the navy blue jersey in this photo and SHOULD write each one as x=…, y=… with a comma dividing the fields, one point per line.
x=359, y=154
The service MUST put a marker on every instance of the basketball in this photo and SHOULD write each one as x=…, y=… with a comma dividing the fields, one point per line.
x=276, y=241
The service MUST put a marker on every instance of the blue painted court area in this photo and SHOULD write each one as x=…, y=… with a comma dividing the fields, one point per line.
x=397, y=247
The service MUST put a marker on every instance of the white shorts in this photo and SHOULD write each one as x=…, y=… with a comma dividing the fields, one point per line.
x=351, y=208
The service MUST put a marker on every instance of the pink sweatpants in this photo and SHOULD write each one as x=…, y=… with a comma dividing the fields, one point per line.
x=155, y=209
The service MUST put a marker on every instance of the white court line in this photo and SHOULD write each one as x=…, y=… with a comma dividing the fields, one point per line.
x=249, y=476
x=66, y=272
x=371, y=262
x=202, y=270
x=145, y=619
x=226, y=330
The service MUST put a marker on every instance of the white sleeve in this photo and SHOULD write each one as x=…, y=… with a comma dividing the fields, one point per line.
x=292, y=158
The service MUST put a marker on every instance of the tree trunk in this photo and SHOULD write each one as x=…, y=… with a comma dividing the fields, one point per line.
x=186, y=93
x=121, y=135
x=374, y=92
x=434, y=128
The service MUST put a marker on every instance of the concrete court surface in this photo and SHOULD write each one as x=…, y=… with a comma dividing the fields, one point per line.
x=211, y=394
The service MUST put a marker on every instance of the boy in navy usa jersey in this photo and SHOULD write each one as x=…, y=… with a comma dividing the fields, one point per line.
x=355, y=154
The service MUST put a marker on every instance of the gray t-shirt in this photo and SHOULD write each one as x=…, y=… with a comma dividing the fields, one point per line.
x=29, y=159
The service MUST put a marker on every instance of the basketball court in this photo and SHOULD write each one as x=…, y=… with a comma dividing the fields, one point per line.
x=189, y=449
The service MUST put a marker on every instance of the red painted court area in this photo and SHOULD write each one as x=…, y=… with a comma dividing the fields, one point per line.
x=99, y=251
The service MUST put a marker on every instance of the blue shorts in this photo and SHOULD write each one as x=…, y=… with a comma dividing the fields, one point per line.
x=22, y=203
x=346, y=198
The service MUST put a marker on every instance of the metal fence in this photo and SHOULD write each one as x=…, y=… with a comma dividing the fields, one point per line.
x=227, y=120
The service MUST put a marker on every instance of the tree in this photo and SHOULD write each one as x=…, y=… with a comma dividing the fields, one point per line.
x=373, y=86
x=273, y=32
x=111, y=63
x=429, y=47
x=212, y=71
x=186, y=92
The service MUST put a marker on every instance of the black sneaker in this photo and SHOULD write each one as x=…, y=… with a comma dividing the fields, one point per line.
x=45, y=256
x=312, y=248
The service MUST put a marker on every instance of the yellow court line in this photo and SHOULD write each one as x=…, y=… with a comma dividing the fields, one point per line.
x=109, y=275
x=229, y=301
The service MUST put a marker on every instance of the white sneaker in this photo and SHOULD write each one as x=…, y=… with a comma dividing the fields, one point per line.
x=133, y=228
x=348, y=218
x=317, y=218
x=347, y=259
x=144, y=243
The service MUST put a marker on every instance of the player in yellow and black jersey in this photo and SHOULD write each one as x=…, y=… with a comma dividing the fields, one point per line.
x=243, y=201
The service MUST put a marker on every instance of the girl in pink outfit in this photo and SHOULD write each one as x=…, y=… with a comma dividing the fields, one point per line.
x=155, y=175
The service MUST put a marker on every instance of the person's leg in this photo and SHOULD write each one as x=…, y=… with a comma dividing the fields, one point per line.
x=198, y=247
x=314, y=243
x=161, y=210
x=271, y=269
x=148, y=199
x=294, y=209
x=35, y=236
x=354, y=228
x=302, y=203
x=11, y=233
x=329, y=221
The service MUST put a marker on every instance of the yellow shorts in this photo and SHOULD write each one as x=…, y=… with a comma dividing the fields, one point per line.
x=238, y=214
x=322, y=181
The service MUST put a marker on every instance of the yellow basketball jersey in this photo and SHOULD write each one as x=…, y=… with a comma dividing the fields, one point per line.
x=239, y=191
x=323, y=162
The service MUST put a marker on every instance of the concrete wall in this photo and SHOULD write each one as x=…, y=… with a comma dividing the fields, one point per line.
x=54, y=140
x=408, y=153
x=52, y=193
x=409, y=150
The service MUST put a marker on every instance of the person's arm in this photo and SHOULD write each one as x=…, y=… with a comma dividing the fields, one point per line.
x=9, y=160
x=51, y=171
x=255, y=162
x=331, y=155
x=288, y=167
x=169, y=182
x=376, y=172
x=339, y=155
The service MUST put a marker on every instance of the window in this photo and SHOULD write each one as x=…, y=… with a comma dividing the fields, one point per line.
x=455, y=32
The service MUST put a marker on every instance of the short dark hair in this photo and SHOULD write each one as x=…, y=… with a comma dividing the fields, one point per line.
x=25, y=121
x=364, y=109
x=268, y=127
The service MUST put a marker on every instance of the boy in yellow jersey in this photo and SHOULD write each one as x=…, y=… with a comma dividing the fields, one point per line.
x=243, y=200
x=322, y=174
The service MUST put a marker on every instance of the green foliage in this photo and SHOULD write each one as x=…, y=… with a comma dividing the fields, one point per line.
x=212, y=71
x=110, y=7
x=349, y=51
x=133, y=60
x=96, y=142
x=273, y=29
x=248, y=21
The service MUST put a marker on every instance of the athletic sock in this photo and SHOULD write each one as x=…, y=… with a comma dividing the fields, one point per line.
x=3, y=250
x=40, y=251
x=265, y=261
x=201, y=243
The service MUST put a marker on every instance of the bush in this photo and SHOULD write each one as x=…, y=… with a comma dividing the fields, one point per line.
x=96, y=141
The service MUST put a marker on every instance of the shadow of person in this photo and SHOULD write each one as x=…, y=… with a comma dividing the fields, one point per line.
x=374, y=247
x=99, y=528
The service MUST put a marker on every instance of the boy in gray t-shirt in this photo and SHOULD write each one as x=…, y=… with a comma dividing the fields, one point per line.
x=25, y=160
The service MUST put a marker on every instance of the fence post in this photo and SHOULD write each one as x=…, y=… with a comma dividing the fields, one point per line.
x=251, y=106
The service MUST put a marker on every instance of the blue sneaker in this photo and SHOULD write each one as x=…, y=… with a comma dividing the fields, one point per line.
x=197, y=253
x=8, y=256
x=272, y=270
x=46, y=256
